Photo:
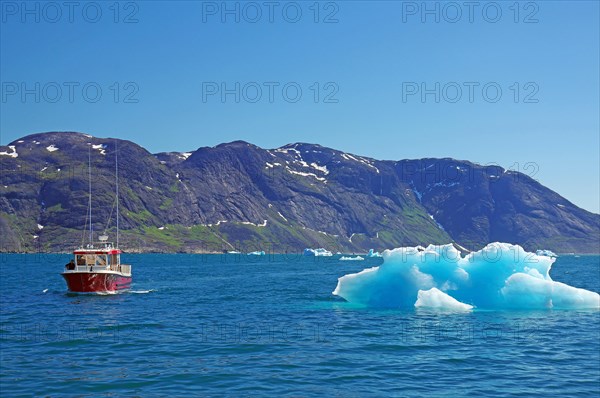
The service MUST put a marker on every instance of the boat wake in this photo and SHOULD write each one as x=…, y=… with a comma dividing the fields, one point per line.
x=499, y=276
x=107, y=293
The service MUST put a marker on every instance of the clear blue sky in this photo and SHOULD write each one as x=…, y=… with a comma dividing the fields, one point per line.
x=374, y=54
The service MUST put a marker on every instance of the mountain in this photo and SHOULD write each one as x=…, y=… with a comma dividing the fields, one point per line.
x=240, y=196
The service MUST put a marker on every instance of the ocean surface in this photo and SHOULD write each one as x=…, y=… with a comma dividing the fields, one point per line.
x=227, y=325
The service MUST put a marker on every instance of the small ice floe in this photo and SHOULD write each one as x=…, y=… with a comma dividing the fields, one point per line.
x=357, y=258
x=257, y=253
x=373, y=253
x=51, y=148
x=317, y=252
x=546, y=253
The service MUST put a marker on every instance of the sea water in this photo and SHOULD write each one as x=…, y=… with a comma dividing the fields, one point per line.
x=236, y=325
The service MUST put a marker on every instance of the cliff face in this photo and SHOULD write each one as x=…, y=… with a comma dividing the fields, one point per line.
x=240, y=196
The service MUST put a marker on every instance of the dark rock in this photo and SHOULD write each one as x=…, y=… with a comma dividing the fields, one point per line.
x=216, y=199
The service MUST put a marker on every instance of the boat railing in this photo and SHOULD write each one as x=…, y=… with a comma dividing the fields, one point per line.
x=98, y=245
x=123, y=268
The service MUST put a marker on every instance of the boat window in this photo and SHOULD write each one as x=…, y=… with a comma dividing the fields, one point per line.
x=80, y=259
x=101, y=260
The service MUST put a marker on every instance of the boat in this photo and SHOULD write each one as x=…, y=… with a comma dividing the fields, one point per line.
x=96, y=267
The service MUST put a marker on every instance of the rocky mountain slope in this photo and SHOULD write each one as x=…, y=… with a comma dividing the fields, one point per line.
x=237, y=196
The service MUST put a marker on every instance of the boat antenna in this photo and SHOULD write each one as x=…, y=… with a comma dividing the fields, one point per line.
x=90, y=190
x=117, y=183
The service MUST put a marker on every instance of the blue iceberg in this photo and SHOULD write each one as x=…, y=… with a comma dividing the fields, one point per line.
x=499, y=276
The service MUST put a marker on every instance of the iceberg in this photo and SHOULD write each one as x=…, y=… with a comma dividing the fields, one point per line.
x=357, y=258
x=499, y=276
x=317, y=252
x=373, y=253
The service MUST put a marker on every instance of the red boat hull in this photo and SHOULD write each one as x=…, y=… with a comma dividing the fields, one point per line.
x=96, y=282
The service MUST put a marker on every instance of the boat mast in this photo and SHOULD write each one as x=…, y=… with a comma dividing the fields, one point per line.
x=117, y=183
x=90, y=190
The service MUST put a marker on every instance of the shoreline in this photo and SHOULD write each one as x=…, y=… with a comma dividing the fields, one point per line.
x=300, y=252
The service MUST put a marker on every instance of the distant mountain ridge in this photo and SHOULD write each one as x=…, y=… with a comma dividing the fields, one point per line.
x=237, y=196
